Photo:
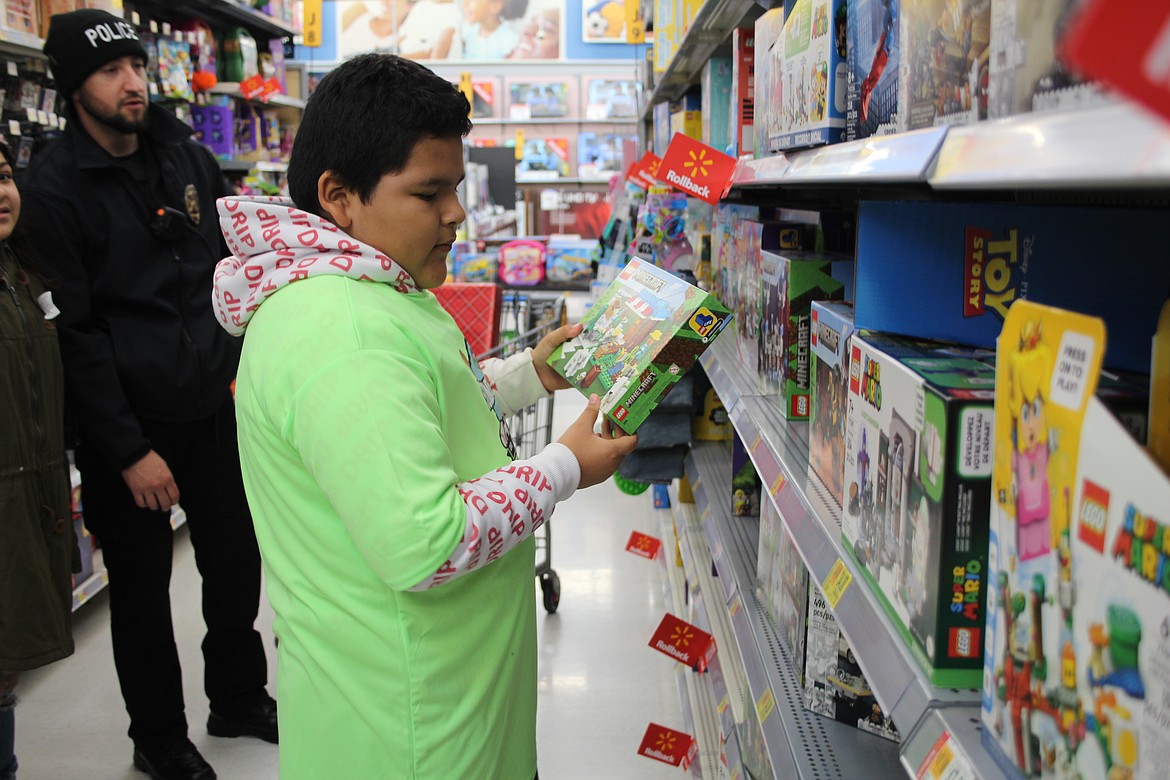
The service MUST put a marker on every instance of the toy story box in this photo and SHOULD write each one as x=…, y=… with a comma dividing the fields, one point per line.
x=831, y=328
x=790, y=282
x=1077, y=666
x=943, y=62
x=871, y=60
x=917, y=476
x=640, y=337
x=954, y=269
x=813, y=74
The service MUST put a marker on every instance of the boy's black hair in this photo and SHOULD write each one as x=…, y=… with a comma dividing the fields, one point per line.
x=514, y=9
x=363, y=121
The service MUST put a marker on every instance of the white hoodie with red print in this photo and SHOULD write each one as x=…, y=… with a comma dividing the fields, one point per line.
x=275, y=244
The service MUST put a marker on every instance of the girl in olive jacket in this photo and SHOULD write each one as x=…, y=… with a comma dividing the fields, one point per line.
x=36, y=535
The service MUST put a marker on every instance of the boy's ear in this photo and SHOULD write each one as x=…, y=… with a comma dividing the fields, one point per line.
x=336, y=199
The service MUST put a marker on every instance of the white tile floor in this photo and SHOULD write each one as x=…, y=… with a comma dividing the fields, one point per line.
x=599, y=682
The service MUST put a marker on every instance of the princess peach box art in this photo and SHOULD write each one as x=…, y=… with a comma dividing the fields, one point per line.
x=640, y=337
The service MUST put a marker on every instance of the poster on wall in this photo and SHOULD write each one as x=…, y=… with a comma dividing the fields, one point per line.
x=451, y=30
x=603, y=21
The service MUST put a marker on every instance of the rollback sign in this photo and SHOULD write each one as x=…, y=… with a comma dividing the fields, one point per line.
x=696, y=169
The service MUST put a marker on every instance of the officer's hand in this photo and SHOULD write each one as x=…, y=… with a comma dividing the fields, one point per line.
x=541, y=353
x=599, y=456
x=151, y=483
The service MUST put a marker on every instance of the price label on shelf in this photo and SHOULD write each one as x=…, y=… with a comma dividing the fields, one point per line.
x=42, y=117
x=943, y=762
x=835, y=583
x=12, y=69
x=735, y=606
x=777, y=484
x=757, y=441
x=765, y=705
x=13, y=127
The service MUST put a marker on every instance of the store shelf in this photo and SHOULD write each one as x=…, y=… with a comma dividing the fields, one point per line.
x=799, y=743
x=244, y=166
x=779, y=449
x=1118, y=145
x=221, y=11
x=553, y=121
x=232, y=89
x=18, y=44
x=96, y=583
x=709, y=30
x=901, y=158
x=558, y=180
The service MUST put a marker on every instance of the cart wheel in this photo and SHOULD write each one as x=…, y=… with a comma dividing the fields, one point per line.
x=550, y=585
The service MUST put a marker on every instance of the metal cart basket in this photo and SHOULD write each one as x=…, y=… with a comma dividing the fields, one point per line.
x=526, y=318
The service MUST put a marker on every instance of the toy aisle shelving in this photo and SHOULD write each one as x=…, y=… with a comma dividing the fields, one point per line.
x=220, y=12
x=1110, y=154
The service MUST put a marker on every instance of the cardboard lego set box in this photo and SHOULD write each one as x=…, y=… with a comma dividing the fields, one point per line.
x=814, y=91
x=769, y=78
x=641, y=336
x=743, y=65
x=943, y=62
x=918, y=448
x=964, y=264
x=783, y=582
x=1027, y=72
x=745, y=482
x=829, y=334
x=716, y=104
x=833, y=683
x=1077, y=667
x=790, y=282
x=871, y=105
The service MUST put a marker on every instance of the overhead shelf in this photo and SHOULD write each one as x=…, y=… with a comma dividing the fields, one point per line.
x=221, y=11
x=19, y=44
x=709, y=30
x=799, y=743
x=232, y=89
x=244, y=166
x=779, y=450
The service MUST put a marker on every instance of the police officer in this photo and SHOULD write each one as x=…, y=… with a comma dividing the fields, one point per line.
x=122, y=209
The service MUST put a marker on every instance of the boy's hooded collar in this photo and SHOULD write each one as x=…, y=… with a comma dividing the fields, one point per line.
x=274, y=244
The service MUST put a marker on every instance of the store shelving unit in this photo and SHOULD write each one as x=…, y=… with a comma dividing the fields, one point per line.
x=243, y=166
x=232, y=89
x=18, y=44
x=219, y=12
x=555, y=121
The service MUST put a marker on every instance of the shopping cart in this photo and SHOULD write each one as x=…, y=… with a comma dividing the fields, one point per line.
x=525, y=319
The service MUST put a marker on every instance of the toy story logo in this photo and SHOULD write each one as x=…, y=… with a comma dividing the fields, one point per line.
x=992, y=267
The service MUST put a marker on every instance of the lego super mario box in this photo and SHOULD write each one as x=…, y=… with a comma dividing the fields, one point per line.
x=918, y=448
x=832, y=326
x=1077, y=666
x=950, y=271
x=645, y=331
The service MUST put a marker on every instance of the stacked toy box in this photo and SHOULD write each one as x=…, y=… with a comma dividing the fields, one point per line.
x=872, y=69
x=813, y=96
x=831, y=329
x=943, y=62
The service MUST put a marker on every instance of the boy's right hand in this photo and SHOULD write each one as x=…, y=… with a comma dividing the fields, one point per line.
x=599, y=456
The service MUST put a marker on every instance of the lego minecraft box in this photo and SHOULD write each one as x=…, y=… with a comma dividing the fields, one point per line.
x=943, y=62
x=831, y=328
x=872, y=69
x=918, y=449
x=644, y=333
x=950, y=271
x=1077, y=667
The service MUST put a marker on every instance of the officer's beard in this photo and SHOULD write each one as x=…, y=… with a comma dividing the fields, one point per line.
x=116, y=119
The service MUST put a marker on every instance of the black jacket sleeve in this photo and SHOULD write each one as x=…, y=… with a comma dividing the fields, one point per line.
x=93, y=390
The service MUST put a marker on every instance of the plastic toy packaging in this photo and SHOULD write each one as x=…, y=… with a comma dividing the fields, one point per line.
x=570, y=260
x=522, y=263
x=239, y=57
x=174, y=69
x=662, y=231
x=476, y=266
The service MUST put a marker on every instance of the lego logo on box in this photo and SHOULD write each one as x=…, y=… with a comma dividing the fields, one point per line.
x=964, y=643
x=799, y=406
x=855, y=371
x=1094, y=512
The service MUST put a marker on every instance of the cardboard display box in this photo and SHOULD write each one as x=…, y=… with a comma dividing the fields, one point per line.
x=832, y=327
x=1077, y=666
x=813, y=95
x=943, y=62
x=645, y=331
x=950, y=271
x=872, y=69
x=918, y=447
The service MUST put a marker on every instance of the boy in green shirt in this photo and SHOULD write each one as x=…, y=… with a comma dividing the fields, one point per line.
x=394, y=522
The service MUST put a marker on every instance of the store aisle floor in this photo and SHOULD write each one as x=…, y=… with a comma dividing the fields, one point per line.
x=599, y=683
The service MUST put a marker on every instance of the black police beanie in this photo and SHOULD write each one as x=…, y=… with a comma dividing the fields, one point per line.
x=80, y=42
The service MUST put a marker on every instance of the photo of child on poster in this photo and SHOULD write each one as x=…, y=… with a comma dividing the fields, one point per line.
x=464, y=30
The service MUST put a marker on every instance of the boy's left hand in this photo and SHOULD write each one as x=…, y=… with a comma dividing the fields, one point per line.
x=543, y=351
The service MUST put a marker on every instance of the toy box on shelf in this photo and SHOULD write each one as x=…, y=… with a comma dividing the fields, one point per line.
x=486, y=97
x=19, y=16
x=872, y=69
x=475, y=307
x=543, y=159
x=943, y=62
x=687, y=117
x=610, y=97
x=783, y=582
x=716, y=103
x=832, y=327
x=599, y=155
x=1077, y=675
x=790, y=282
x=813, y=96
x=833, y=683
x=768, y=94
x=745, y=482
x=1026, y=72
x=640, y=337
x=966, y=263
x=540, y=98
x=743, y=65
x=917, y=475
